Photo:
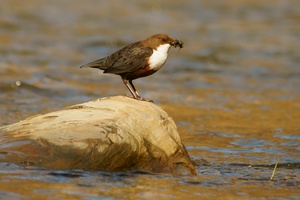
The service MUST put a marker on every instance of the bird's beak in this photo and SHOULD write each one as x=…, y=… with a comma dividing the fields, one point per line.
x=177, y=43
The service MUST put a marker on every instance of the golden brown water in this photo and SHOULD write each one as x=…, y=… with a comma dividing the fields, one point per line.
x=233, y=91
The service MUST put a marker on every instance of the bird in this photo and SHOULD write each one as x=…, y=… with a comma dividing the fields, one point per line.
x=137, y=60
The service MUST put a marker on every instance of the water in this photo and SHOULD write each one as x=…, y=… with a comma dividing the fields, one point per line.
x=233, y=91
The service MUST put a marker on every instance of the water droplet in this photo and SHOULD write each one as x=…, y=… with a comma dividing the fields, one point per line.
x=18, y=83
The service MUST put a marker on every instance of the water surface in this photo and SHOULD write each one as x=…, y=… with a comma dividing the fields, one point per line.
x=233, y=91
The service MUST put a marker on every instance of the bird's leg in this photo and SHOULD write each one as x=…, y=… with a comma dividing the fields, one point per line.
x=131, y=88
x=130, y=82
x=140, y=98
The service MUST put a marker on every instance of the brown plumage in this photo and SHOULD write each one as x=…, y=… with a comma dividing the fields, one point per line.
x=137, y=60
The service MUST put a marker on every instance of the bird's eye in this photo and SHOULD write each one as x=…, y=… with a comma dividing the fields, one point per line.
x=164, y=39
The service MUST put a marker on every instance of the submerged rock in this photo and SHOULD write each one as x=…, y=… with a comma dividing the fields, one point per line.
x=111, y=134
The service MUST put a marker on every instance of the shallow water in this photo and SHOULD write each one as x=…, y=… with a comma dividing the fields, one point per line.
x=233, y=91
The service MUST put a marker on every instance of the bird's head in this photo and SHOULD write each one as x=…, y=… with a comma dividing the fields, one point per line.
x=161, y=39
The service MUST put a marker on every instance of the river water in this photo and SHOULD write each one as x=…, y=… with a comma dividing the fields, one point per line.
x=233, y=91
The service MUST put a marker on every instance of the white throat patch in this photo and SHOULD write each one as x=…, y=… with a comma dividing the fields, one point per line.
x=159, y=57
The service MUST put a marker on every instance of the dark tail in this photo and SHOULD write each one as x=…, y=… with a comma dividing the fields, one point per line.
x=95, y=64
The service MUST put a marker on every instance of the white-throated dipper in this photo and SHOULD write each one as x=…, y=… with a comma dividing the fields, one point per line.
x=137, y=60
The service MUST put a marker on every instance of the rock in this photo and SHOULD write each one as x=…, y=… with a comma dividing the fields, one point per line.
x=111, y=134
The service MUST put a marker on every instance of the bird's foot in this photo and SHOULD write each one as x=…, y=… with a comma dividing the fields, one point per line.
x=141, y=98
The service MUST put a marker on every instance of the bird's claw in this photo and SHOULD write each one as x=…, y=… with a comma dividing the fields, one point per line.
x=140, y=98
x=143, y=99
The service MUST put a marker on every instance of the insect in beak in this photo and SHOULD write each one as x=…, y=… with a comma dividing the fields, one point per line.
x=177, y=43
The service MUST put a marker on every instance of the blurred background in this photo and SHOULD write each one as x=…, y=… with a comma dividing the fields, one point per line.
x=233, y=90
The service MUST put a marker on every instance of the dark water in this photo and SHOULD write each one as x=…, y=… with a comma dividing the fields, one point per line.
x=233, y=91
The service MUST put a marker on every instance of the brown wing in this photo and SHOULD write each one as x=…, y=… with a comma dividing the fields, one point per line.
x=129, y=59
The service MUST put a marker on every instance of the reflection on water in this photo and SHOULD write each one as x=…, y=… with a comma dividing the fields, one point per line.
x=233, y=91
x=40, y=183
